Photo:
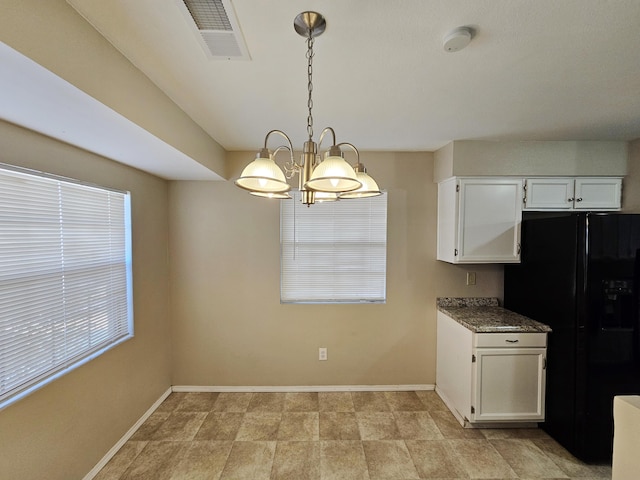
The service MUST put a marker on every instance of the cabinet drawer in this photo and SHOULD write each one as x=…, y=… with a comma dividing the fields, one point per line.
x=511, y=340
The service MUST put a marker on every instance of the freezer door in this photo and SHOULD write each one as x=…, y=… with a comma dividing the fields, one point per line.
x=612, y=329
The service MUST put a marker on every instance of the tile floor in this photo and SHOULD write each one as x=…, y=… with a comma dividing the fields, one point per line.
x=331, y=436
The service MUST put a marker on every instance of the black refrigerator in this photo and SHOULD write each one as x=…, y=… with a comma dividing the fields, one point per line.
x=580, y=274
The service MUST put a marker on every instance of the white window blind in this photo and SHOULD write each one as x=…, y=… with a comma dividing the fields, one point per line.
x=333, y=252
x=65, y=277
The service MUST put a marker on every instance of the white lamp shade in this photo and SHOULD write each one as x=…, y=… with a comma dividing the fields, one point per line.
x=263, y=176
x=333, y=175
x=277, y=195
x=369, y=187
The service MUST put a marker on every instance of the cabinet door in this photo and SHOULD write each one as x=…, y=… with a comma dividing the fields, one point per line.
x=509, y=384
x=447, y=220
x=453, y=366
x=489, y=220
x=598, y=193
x=548, y=194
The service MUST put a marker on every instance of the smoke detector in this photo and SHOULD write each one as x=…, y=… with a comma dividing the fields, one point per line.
x=457, y=39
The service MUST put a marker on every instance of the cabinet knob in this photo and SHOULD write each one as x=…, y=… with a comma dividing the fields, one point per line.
x=578, y=199
x=570, y=199
x=511, y=341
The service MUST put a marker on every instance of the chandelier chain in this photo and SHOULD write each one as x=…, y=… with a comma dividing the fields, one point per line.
x=310, y=84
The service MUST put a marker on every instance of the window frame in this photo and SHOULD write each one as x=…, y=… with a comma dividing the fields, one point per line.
x=104, y=318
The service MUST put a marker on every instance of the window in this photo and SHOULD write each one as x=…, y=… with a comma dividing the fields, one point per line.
x=65, y=277
x=333, y=252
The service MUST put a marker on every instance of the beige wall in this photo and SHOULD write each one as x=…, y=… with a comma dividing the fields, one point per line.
x=62, y=430
x=229, y=328
x=568, y=158
x=631, y=183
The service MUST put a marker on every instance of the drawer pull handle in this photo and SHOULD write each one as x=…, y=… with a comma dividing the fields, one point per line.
x=512, y=341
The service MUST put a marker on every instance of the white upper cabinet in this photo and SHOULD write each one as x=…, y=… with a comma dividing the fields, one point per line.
x=479, y=220
x=583, y=193
x=598, y=193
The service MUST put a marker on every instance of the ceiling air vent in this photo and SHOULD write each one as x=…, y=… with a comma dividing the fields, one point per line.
x=218, y=30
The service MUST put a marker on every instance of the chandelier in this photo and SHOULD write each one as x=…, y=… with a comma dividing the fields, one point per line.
x=319, y=180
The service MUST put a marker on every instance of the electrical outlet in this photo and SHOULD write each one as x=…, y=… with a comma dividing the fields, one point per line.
x=471, y=278
x=322, y=353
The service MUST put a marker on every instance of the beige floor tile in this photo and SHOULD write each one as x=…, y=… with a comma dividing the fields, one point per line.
x=232, y=402
x=377, y=426
x=266, y=402
x=332, y=436
x=481, y=460
x=451, y=429
x=249, y=461
x=389, y=459
x=435, y=459
x=339, y=426
x=171, y=402
x=570, y=465
x=301, y=402
x=220, y=426
x=343, y=460
x=369, y=402
x=156, y=461
x=335, y=402
x=526, y=459
x=259, y=426
x=301, y=426
x=404, y=401
x=150, y=426
x=180, y=426
x=417, y=426
x=197, y=402
x=431, y=400
x=202, y=461
x=296, y=461
x=121, y=461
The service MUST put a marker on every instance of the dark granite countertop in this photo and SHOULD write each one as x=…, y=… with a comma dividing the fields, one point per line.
x=484, y=315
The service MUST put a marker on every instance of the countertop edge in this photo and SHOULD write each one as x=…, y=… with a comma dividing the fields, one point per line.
x=490, y=318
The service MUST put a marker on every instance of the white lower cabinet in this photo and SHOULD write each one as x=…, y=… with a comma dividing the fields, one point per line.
x=490, y=377
x=508, y=384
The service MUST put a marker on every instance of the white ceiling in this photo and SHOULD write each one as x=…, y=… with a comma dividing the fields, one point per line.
x=535, y=70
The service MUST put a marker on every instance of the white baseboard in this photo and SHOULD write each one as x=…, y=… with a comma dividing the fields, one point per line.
x=100, y=465
x=302, y=388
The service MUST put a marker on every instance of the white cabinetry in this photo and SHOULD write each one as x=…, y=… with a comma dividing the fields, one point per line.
x=479, y=220
x=509, y=380
x=582, y=193
x=490, y=377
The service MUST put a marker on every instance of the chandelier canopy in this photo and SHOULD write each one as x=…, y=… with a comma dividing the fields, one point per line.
x=319, y=180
